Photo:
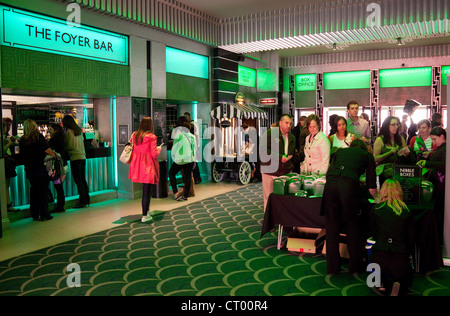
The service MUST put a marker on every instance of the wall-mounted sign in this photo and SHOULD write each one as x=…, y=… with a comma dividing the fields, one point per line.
x=225, y=123
x=39, y=114
x=410, y=178
x=247, y=76
x=123, y=134
x=268, y=101
x=27, y=30
x=306, y=82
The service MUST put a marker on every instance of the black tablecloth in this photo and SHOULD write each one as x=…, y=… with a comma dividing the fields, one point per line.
x=293, y=211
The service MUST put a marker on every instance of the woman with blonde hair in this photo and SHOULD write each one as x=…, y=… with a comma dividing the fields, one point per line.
x=144, y=166
x=392, y=228
x=33, y=149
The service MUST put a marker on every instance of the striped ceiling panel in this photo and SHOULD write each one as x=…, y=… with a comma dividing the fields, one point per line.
x=339, y=23
x=333, y=24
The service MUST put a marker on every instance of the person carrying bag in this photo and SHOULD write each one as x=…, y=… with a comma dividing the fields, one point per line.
x=144, y=165
x=183, y=155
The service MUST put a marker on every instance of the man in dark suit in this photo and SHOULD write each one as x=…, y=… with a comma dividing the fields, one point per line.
x=276, y=149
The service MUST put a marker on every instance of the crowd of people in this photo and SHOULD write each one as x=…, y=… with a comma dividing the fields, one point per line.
x=344, y=156
x=65, y=144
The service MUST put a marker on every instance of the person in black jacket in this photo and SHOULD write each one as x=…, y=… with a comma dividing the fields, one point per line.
x=392, y=227
x=33, y=148
x=341, y=203
x=436, y=162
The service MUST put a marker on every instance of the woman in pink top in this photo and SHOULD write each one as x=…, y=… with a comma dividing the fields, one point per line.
x=144, y=166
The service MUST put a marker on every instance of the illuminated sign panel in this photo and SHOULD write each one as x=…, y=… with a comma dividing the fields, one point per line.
x=186, y=63
x=405, y=77
x=347, y=80
x=268, y=101
x=247, y=76
x=445, y=73
x=27, y=30
x=305, y=82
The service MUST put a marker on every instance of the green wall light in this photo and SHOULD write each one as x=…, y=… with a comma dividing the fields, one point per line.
x=347, y=80
x=267, y=80
x=186, y=63
x=445, y=72
x=405, y=77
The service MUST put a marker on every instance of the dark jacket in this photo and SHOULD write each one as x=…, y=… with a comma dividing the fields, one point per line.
x=392, y=233
x=56, y=143
x=32, y=155
x=352, y=162
x=276, y=147
x=436, y=162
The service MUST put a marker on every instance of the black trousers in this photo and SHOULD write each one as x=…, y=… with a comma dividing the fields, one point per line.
x=439, y=210
x=196, y=172
x=394, y=267
x=187, y=177
x=60, y=196
x=341, y=200
x=146, y=197
x=39, y=197
x=78, y=168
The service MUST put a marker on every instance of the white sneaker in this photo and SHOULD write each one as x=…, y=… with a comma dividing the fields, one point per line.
x=146, y=218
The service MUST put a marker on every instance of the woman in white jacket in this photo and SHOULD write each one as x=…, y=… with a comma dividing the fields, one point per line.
x=317, y=148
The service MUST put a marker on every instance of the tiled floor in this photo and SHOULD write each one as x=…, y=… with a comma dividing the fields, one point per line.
x=27, y=235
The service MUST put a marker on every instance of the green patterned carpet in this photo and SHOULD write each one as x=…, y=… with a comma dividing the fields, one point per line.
x=208, y=248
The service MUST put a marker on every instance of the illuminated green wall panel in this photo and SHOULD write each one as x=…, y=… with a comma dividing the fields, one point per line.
x=186, y=88
x=405, y=77
x=186, y=63
x=267, y=80
x=347, y=80
x=445, y=73
x=23, y=69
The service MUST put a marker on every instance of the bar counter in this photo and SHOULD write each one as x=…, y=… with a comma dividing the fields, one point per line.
x=99, y=176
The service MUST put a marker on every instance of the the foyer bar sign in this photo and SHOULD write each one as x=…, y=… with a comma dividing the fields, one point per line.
x=27, y=30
